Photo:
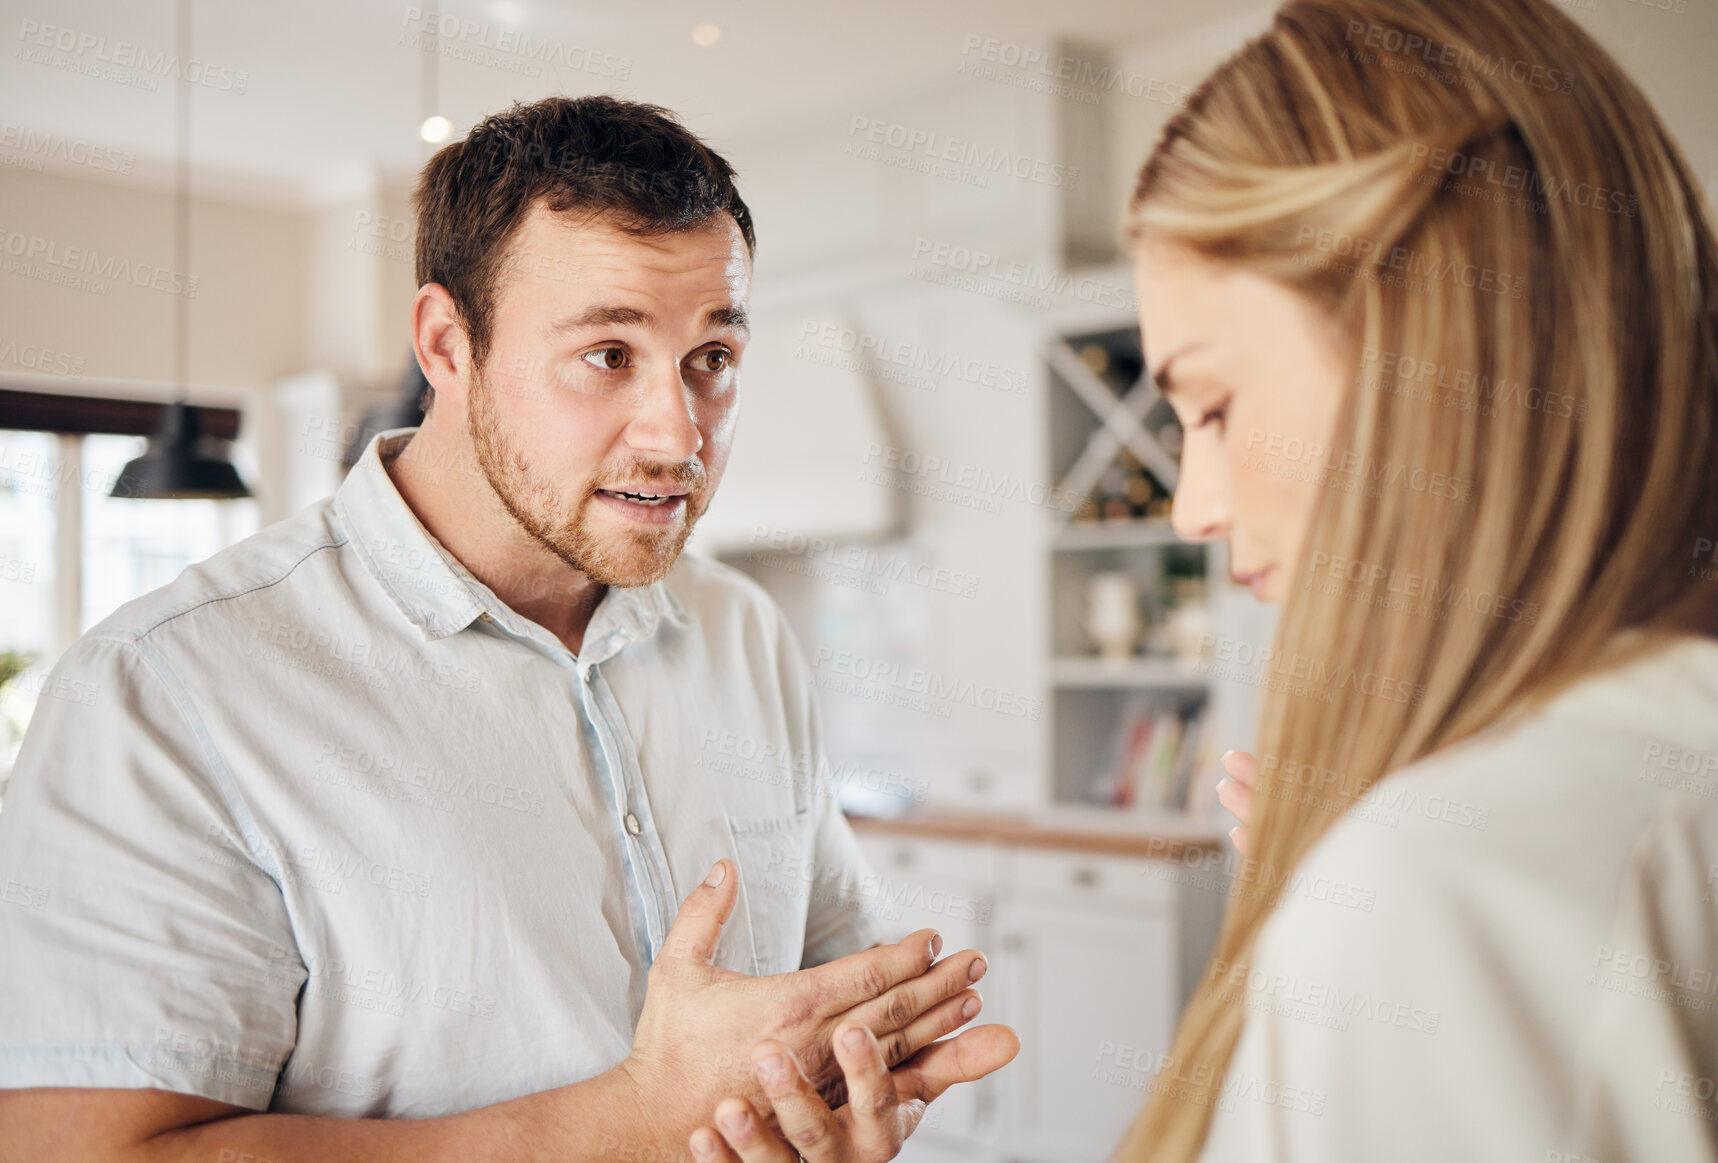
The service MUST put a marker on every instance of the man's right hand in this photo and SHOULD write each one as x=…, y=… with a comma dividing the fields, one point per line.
x=695, y=1035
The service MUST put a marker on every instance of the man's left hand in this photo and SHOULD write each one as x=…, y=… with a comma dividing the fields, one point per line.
x=883, y=1106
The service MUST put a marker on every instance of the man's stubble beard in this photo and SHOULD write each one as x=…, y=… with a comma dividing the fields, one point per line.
x=641, y=558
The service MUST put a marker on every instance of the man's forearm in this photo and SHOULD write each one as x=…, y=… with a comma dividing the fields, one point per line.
x=600, y=1118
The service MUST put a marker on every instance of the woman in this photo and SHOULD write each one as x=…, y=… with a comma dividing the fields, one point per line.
x=1436, y=300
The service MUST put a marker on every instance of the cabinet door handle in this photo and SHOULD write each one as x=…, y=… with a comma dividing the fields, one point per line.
x=1012, y=943
x=1086, y=877
x=903, y=857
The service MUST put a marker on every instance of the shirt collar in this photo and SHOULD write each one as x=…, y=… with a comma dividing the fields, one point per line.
x=438, y=595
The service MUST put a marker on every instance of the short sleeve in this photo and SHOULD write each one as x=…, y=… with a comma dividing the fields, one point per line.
x=144, y=943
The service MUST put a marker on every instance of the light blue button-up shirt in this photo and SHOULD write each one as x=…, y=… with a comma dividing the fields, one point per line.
x=323, y=826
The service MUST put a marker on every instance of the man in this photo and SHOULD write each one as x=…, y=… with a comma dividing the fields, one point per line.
x=378, y=821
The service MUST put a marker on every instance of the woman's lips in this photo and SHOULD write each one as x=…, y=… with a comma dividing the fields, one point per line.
x=1255, y=579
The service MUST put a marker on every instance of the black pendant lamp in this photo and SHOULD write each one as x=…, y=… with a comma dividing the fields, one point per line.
x=182, y=462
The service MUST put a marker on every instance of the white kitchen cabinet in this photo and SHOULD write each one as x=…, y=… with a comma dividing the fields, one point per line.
x=929, y=884
x=1082, y=985
x=1091, y=957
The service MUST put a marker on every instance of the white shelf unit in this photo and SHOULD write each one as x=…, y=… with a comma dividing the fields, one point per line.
x=1089, y=422
x=1155, y=674
x=1114, y=535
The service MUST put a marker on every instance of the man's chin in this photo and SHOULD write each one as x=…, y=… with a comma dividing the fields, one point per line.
x=631, y=560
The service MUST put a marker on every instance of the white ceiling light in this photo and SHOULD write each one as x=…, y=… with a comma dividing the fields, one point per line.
x=706, y=34
x=436, y=129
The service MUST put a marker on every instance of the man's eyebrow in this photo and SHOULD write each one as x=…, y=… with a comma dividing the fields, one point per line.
x=603, y=316
x=734, y=317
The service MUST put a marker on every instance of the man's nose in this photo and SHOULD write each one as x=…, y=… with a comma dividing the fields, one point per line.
x=1200, y=509
x=664, y=426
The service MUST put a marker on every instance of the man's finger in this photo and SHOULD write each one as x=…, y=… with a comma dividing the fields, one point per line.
x=698, y=925
x=805, y=1120
x=842, y=984
x=903, y=1005
x=965, y=1058
x=943, y=1018
x=875, y=1114
x=748, y=1137
x=708, y=1147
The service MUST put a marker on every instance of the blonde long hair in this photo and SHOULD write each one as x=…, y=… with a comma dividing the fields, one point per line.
x=1472, y=187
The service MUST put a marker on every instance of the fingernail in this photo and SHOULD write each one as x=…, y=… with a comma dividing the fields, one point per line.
x=701, y=1147
x=977, y=970
x=717, y=875
x=735, y=1121
x=1232, y=832
x=771, y=1069
x=1224, y=758
x=854, y=1039
x=936, y=944
x=971, y=1008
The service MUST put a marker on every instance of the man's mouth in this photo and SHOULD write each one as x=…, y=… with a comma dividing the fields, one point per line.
x=658, y=503
x=650, y=499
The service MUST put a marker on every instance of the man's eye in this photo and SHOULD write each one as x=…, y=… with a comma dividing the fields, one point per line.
x=607, y=358
x=715, y=360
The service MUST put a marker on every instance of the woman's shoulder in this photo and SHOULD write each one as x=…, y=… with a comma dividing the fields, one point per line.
x=1559, y=803
x=1526, y=931
x=1581, y=778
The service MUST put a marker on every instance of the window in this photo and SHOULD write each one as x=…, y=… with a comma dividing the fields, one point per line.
x=131, y=547
x=27, y=493
x=126, y=548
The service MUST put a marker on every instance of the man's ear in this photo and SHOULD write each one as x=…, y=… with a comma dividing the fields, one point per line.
x=441, y=345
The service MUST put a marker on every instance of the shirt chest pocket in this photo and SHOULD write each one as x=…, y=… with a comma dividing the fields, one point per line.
x=777, y=879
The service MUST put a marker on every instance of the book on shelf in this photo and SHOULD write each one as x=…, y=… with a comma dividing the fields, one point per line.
x=1158, y=761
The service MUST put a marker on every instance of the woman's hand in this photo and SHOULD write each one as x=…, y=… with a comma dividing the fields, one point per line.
x=883, y=1106
x=1236, y=793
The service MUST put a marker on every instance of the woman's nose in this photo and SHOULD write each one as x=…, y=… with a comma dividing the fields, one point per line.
x=1200, y=510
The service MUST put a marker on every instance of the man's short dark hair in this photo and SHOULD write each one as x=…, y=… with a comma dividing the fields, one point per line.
x=629, y=163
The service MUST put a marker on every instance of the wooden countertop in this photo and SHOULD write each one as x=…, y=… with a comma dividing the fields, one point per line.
x=1095, y=831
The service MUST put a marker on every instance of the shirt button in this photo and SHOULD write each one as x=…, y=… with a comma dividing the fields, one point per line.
x=632, y=824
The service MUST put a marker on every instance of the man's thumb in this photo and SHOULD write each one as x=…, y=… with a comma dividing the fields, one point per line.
x=698, y=925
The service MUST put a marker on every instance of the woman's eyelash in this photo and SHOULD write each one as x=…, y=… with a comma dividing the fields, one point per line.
x=1216, y=413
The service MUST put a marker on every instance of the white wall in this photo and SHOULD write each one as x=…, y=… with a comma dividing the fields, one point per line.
x=247, y=315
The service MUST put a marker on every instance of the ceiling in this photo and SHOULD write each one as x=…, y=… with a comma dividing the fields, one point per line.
x=307, y=100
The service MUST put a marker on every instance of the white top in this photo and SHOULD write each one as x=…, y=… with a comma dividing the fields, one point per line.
x=326, y=796
x=1509, y=951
